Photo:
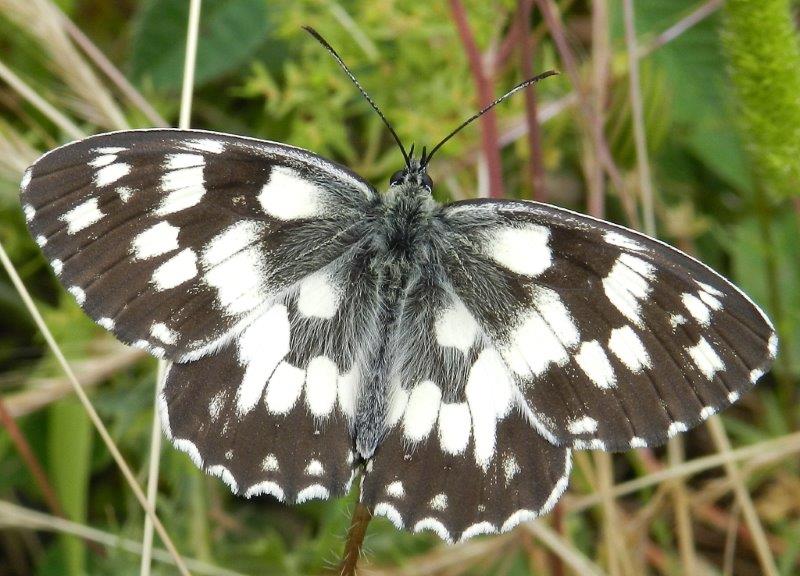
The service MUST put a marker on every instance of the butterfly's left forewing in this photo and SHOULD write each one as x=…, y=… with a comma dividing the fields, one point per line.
x=176, y=240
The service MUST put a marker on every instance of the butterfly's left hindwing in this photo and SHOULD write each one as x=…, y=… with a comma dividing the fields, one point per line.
x=614, y=340
x=176, y=240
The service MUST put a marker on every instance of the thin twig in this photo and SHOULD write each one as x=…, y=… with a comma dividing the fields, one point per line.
x=52, y=114
x=526, y=47
x=93, y=416
x=489, y=138
x=680, y=497
x=112, y=72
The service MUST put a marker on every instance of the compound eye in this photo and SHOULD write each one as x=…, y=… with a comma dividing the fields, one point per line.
x=427, y=182
x=397, y=177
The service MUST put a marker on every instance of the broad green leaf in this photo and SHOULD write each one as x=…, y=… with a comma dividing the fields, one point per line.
x=230, y=31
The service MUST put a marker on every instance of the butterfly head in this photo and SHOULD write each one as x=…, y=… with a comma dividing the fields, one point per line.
x=415, y=172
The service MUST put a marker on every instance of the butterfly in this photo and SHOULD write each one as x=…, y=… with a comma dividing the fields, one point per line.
x=451, y=354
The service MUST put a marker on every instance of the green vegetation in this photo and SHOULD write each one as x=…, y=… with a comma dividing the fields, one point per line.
x=722, y=120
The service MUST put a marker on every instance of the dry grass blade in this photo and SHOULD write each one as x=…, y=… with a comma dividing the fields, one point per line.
x=763, y=452
x=43, y=20
x=751, y=518
x=39, y=103
x=12, y=515
x=92, y=413
x=561, y=546
x=15, y=152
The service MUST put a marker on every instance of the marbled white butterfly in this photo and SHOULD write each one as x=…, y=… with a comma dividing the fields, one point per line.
x=453, y=354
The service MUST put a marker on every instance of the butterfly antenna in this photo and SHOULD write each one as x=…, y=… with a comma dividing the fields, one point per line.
x=482, y=111
x=350, y=75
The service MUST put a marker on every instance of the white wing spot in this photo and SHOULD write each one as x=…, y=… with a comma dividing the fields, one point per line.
x=707, y=412
x=125, y=193
x=709, y=289
x=41, y=240
x=675, y=428
x=159, y=239
x=697, y=308
x=82, y=216
x=321, y=376
x=489, y=393
x=319, y=296
x=510, y=468
x=29, y=212
x=522, y=250
x=439, y=502
x=106, y=322
x=260, y=348
x=179, y=269
x=26, y=179
x=709, y=300
x=626, y=345
x=185, y=188
x=398, y=400
x=216, y=404
x=395, y=489
x=225, y=475
x=755, y=375
x=179, y=161
x=556, y=315
x=110, y=150
x=58, y=266
x=637, y=442
x=315, y=468
x=289, y=196
x=267, y=487
x=621, y=241
x=390, y=512
x=593, y=361
x=534, y=346
x=102, y=160
x=270, y=463
x=347, y=387
x=455, y=327
x=627, y=284
x=188, y=446
x=78, y=293
x=454, y=427
x=584, y=425
x=435, y=526
x=205, y=145
x=164, y=333
x=313, y=492
x=421, y=411
x=111, y=173
x=676, y=320
x=477, y=530
x=705, y=358
x=772, y=345
x=733, y=397
x=284, y=388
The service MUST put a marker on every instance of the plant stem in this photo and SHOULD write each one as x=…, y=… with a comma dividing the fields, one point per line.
x=489, y=132
x=355, y=540
x=526, y=46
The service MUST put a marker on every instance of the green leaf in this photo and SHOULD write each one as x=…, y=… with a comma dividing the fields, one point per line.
x=69, y=458
x=230, y=31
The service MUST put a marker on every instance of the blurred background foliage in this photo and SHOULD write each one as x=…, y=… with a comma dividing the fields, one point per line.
x=723, y=134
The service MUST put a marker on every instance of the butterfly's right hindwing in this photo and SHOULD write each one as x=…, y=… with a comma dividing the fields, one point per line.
x=177, y=240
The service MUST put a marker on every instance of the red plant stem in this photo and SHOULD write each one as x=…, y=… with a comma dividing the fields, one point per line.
x=31, y=461
x=536, y=163
x=559, y=35
x=489, y=132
